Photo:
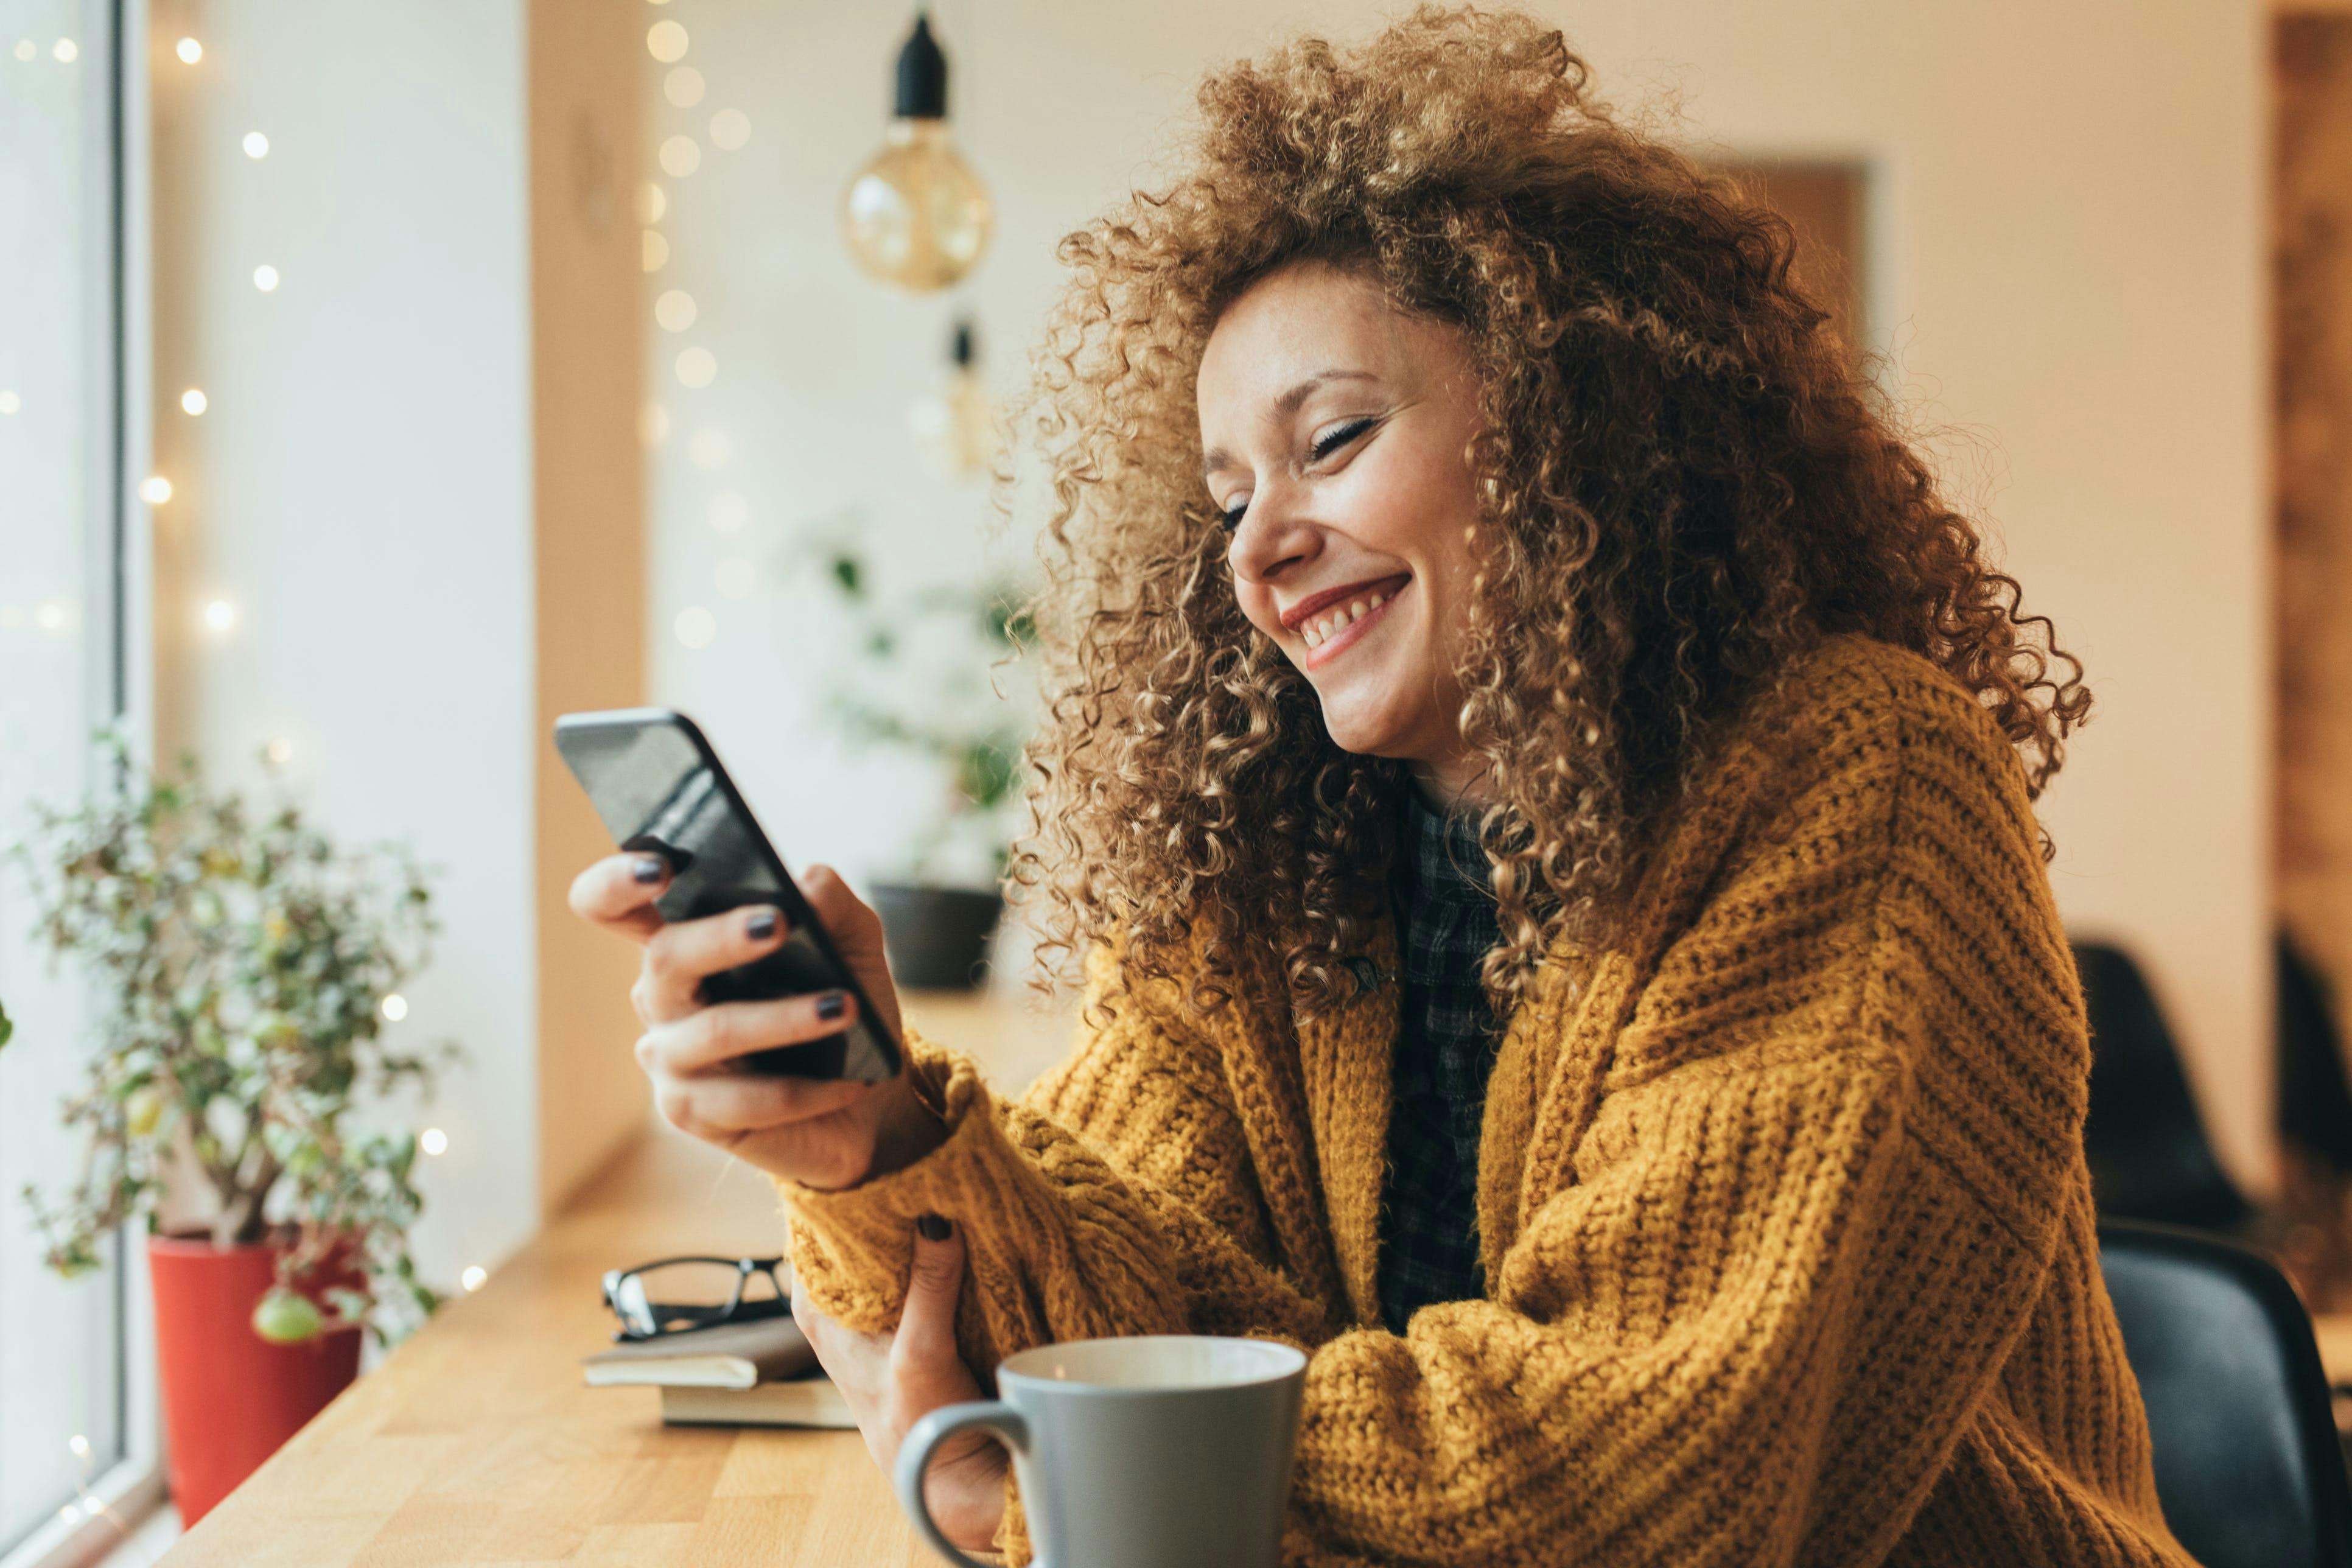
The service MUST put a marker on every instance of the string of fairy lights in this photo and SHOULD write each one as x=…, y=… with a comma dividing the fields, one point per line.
x=692, y=367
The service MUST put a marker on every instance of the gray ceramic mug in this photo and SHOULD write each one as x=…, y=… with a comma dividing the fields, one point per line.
x=1155, y=1451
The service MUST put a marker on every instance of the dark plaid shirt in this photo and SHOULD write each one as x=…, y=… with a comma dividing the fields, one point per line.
x=1446, y=1041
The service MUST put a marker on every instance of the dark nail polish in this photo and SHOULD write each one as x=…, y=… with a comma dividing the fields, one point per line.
x=831, y=1005
x=934, y=1228
x=649, y=869
x=762, y=925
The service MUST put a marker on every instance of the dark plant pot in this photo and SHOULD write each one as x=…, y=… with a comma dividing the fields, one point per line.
x=230, y=1397
x=937, y=937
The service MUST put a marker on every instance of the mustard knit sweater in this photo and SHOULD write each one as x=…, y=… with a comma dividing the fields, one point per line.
x=1787, y=1235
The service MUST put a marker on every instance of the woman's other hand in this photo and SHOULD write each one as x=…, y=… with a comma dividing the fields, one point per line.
x=825, y=1133
x=892, y=1381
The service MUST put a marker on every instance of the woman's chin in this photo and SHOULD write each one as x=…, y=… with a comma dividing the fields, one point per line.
x=1363, y=734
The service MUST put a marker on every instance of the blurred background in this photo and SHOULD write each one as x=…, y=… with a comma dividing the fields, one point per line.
x=378, y=382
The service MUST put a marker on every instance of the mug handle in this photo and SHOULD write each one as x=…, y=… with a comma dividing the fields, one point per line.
x=915, y=1458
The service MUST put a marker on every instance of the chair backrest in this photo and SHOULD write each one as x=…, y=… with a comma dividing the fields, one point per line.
x=2314, y=1099
x=2148, y=1154
x=2248, y=1465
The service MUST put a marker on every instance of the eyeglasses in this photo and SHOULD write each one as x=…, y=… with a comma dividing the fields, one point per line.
x=678, y=1294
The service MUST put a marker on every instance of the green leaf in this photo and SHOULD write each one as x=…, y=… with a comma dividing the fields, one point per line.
x=6, y=1027
x=986, y=771
x=283, y=1317
x=849, y=574
x=143, y=1111
x=1007, y=621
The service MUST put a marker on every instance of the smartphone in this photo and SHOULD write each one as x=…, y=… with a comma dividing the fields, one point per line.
x=660, y=790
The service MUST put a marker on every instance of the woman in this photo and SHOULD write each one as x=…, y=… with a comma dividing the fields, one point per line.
x=1542, y=787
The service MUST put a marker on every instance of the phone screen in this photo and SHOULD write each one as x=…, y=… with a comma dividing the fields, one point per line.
x=660, y=790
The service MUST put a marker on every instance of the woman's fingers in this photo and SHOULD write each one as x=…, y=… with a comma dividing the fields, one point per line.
x=923, y=1354
x=857, y=1363
x=710, y=1036
x=720, y=1106
x=679, y=958
x=618, y=893
x=856, y=933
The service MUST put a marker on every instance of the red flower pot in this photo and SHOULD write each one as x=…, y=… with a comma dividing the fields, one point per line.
x=231, y=1397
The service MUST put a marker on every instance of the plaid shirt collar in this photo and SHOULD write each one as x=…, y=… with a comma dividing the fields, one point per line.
x=1445, y=1045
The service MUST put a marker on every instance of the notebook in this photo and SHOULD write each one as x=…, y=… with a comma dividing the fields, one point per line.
x=810, y=1401
x=730, y=1356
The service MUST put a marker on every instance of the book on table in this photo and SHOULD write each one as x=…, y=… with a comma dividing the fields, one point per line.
x=760, y=1373
x=809, y=1400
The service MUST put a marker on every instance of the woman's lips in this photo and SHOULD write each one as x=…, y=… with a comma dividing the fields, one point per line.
x=1354, y=631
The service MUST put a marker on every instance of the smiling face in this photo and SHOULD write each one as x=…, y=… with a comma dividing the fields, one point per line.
x=1336, y=430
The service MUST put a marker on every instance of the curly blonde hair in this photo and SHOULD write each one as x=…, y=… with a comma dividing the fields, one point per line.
x=1682, y=481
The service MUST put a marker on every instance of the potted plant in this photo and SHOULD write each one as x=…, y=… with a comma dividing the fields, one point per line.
x=919, y=675
x=249, y=968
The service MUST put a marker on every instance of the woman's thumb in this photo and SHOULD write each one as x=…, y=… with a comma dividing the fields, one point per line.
x=927, y=1320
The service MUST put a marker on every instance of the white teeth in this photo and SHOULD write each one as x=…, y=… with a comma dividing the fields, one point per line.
x=1321, y=629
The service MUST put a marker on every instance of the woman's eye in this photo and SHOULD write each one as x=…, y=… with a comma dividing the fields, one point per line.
x=1231, y=516
x=1333, y=440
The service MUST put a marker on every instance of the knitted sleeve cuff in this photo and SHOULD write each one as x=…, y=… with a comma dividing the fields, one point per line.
x=853, y=1245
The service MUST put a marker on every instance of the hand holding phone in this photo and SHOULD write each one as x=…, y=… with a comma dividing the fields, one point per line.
x=714, y=1061
x=662, y=793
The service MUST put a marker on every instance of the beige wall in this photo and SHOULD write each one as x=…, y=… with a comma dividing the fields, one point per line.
x=588, y=544
x=2067, y=224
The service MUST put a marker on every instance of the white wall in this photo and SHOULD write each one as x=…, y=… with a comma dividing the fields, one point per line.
x=360, y=488
x=2068, y=217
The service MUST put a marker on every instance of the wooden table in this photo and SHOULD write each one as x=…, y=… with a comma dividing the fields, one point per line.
x=476, y=1442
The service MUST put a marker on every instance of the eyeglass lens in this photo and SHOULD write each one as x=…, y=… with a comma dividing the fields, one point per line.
x=694, y=1289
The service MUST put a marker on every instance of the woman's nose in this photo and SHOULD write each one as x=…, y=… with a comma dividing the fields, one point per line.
x=1272, y=540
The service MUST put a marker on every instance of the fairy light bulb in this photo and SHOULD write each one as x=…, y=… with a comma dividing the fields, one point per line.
x=916, y=215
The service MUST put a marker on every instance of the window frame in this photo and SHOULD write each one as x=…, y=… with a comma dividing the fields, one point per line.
x=132, y=1486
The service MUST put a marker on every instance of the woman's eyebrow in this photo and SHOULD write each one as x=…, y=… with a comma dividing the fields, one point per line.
x=1284, y=407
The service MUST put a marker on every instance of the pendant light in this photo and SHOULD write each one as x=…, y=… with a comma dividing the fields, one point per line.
x=957, y=425
x=916, y=215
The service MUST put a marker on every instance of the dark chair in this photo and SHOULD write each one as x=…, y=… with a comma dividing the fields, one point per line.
x=2248, y=1466
x=2315, y=1099
x=2146, y=1143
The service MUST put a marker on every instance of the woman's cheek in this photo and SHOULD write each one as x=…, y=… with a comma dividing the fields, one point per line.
x=1258, y=607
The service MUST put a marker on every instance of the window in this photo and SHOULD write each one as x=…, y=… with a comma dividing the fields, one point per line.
x=68, y=1376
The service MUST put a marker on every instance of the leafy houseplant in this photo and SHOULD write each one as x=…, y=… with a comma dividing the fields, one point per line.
x=918, y=676
x=247, y=962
